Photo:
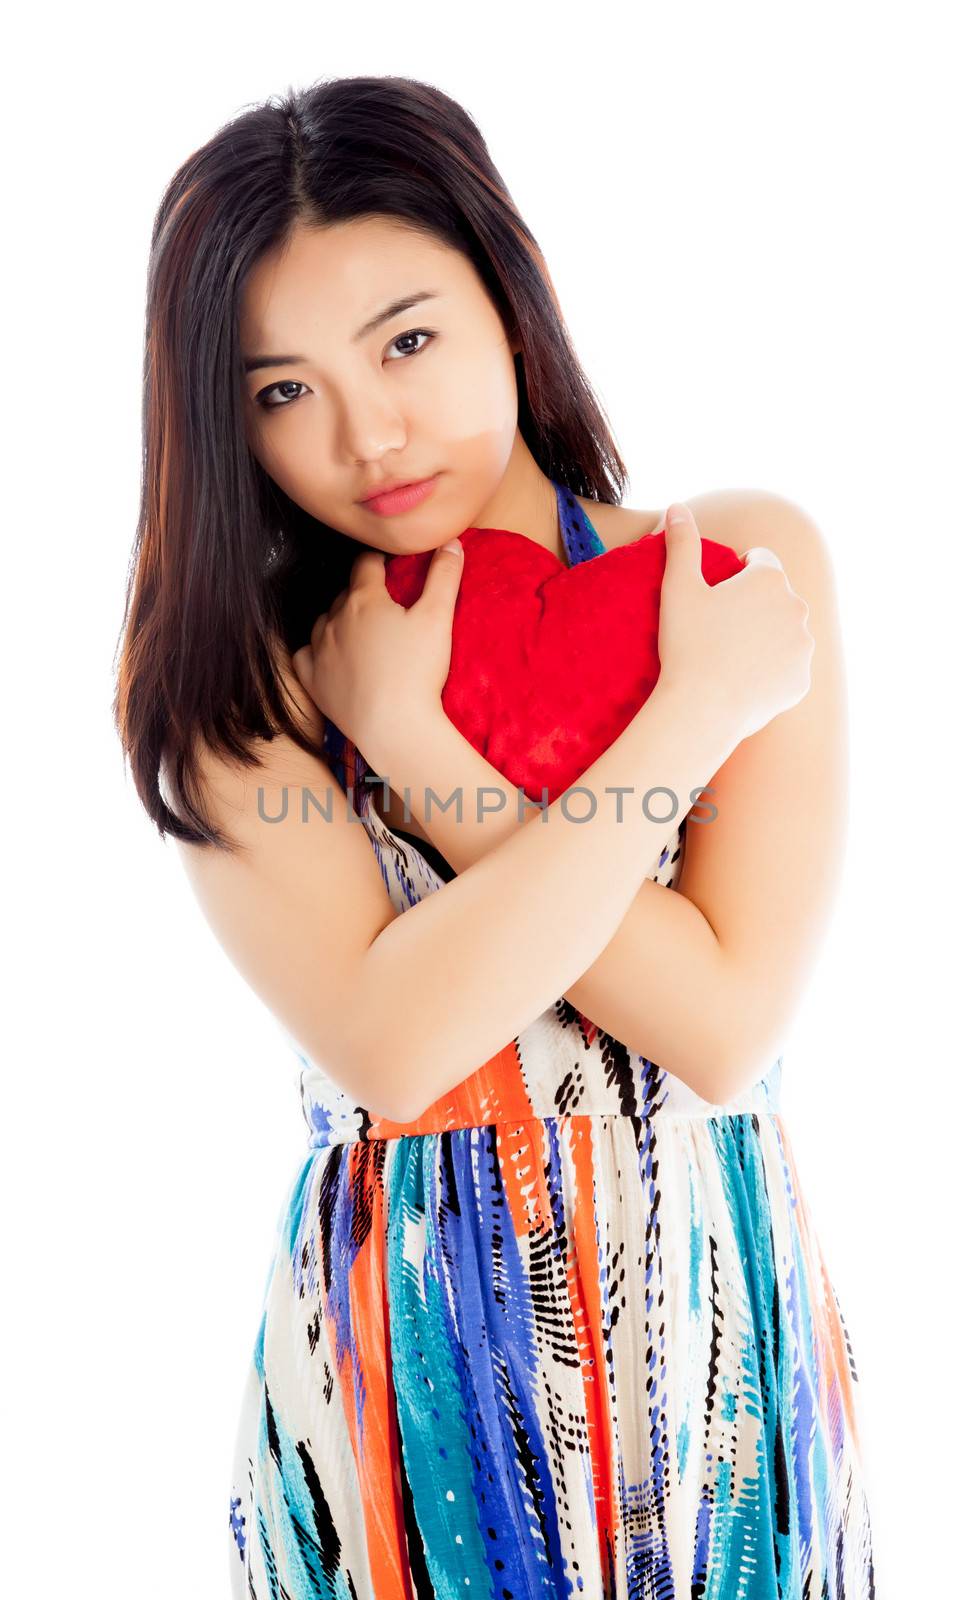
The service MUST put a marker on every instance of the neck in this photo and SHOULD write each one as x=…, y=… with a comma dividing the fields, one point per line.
x=525, y=502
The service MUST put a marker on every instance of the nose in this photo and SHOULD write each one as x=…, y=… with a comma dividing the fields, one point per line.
x=370, y=424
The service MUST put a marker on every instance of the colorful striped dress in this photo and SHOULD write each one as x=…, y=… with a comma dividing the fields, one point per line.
x=570, y=1333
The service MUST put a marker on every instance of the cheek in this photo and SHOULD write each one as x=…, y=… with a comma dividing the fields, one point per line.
x=286, y=457
x=475, y=399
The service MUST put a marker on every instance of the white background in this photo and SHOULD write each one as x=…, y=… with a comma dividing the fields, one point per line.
x=750, y=216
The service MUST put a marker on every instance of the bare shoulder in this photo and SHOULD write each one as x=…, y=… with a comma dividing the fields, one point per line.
x=232, y=792
x=742, y=518
x=737, y=517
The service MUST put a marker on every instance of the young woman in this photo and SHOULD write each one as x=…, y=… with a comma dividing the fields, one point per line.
x=547, y=1313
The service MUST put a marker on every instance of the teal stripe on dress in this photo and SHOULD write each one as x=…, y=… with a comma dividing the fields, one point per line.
x=303, y=1527
x=433, y=1426
x=696, y=1250
x=755, y=1534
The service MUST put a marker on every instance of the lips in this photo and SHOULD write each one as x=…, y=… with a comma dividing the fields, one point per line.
x=390, y=502
x=390, y=488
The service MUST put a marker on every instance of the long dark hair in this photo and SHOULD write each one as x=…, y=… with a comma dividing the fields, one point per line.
x=226, y=569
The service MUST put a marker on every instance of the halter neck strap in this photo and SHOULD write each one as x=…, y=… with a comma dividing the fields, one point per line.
x=579, y=536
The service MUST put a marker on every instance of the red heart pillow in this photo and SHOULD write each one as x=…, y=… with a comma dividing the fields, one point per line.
x=550, y=663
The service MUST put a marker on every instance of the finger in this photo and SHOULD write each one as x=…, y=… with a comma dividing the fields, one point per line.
x=683, y=542
x=318, y=628
x=443, y=576
x=368, y=568
x=302, y=664
x=762, y=555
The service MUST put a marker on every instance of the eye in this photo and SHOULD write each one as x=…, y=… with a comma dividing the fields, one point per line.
x=261, y=399
x=414, y=333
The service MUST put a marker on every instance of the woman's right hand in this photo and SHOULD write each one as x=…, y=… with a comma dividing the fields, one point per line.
x=373, y=666
x=741, y=645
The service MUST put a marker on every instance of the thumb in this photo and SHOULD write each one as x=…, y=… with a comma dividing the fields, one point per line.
x=762, y=554
x=683, y=542
x=302, y=665
x=444, y=574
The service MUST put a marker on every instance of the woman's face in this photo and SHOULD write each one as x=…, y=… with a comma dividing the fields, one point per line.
x=429, y=390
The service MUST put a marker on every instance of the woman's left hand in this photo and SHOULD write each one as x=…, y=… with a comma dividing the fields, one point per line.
x=371, y=664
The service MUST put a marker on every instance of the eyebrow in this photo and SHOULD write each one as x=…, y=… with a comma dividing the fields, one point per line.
x=394, y=309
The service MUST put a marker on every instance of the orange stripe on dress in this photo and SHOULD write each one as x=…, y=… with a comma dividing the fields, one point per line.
x=836, y=1382
x=495, y=1092
x=582, y=1277
x=374, y=1438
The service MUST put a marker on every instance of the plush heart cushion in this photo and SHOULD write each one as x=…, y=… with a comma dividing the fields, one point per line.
x=550, y=663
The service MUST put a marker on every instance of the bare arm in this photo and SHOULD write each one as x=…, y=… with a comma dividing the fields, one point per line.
x=449, y=983
x=641, y=988
x=399, y=1009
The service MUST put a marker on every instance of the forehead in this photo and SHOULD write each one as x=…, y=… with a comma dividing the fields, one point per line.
x=344, y=271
